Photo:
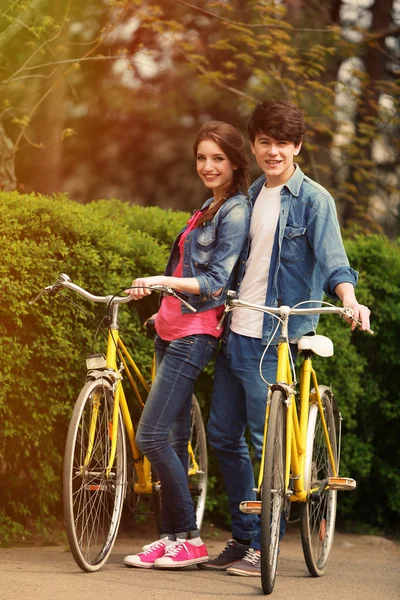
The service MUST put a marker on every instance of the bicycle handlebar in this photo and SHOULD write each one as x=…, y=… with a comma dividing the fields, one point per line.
x=64, y=281
x=285, y=311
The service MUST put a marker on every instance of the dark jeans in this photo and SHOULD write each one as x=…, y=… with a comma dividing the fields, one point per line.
x=166, y=417
x=239, y=401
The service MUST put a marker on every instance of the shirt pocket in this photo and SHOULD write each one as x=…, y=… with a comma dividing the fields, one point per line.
x=294, y=244
x=205, y=237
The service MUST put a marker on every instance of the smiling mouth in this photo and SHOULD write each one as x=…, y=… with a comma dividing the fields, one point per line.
x=273, y=163
x=210, y=177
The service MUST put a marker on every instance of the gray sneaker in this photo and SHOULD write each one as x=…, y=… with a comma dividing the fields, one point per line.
x=249, y=566
x=230, y=555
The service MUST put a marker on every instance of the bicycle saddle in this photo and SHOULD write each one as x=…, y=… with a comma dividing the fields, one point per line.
x=319, y=344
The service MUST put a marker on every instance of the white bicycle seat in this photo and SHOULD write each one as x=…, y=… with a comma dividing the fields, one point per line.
x=319, y=344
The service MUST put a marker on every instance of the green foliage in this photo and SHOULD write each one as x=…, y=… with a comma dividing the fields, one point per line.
x=160, y=69
x=101, y=246
x=364, y=373
x=10, y=530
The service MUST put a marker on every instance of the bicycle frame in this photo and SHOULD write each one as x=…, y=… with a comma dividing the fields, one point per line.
x=297, y=423
x=117, y=349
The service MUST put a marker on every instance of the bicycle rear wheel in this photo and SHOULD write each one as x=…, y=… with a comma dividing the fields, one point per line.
x=198, y=462
x=319, y=514
x=272, y=491
x=93, y=501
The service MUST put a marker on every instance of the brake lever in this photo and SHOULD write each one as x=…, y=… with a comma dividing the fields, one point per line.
x=222, y=319
x=47, y=290
x=168, y=290
x=348, y=312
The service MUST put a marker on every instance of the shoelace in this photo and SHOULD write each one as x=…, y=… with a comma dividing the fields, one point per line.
x=229, y=543
x=252, y=556
x=173, y=549
x=153, y=546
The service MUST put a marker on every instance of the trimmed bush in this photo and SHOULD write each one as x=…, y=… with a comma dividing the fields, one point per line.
x=364, y=372
x=100, y=247
x=103, y=246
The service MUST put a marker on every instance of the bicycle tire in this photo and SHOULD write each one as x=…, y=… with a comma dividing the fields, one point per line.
x=93, y=502
x=198, y=481
x=272, y=491
x=319, y=515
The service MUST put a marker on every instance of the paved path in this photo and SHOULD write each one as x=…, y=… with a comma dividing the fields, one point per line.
x=360, y=568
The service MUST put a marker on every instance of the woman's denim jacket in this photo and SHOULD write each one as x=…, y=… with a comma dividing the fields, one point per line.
x=212, y=252
x=308, y=256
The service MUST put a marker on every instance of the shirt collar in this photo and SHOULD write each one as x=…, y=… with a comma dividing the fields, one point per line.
x=293, y=184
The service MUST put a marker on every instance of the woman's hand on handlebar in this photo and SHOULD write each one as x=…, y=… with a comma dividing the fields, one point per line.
x=140, y=286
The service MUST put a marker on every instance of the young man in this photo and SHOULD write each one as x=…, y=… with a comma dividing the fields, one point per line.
x=296, y=253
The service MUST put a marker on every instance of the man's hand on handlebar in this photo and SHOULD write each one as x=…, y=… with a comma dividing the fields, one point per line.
x=360, y=317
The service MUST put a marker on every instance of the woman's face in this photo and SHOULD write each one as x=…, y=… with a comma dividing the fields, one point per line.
x=214, y=168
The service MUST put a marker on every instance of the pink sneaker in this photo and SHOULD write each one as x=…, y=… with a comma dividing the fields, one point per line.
x=181, y=554
x=146, y=559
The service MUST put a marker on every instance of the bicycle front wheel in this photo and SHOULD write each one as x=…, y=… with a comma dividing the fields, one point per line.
x=272, y=491
x=198, y=463
x=319, y=514
x=93, y=499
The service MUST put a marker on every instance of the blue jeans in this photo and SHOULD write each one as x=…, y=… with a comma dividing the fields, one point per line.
x=239, y=401
x=164, y=427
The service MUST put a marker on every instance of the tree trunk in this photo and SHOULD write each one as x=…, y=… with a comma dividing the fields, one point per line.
x=8, y=181
x=367, y=113
x=47, y=176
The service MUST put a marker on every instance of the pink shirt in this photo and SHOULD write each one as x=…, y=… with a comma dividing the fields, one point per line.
x=170, y=323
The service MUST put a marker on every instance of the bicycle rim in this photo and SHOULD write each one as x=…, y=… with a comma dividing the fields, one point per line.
x=198, y=476
x=93, y=501
x=319, y=515
x=272, y=492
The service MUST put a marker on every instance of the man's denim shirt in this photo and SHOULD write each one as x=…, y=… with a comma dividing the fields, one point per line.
x=212, y=252
x=308, y=256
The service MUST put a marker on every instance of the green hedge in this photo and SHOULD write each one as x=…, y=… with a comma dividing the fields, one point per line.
x=103, y=246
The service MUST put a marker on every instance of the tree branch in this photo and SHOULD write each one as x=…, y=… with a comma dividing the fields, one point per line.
x=56, y=62
x=379, y=35
x=18, y=24
x=252, y=25
x=64, y=74
x=219, y=84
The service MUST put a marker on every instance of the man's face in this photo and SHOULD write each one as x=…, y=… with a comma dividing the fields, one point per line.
x=275, y=158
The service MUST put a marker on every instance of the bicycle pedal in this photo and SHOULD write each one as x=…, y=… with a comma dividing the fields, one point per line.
x=344, y=484
x=251, y=507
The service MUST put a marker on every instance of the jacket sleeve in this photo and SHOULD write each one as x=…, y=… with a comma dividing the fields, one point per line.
x=323, y=233
x=231, y=235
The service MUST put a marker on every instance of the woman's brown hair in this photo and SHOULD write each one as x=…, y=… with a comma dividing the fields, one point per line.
x=230, y=139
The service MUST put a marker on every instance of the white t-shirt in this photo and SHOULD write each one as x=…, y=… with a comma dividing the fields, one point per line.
x=264, y=220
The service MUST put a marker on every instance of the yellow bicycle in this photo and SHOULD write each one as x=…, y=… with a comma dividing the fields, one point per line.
x=301, y=450
x=96, y=480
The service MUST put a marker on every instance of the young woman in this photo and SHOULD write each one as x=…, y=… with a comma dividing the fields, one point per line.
x=202, y=265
